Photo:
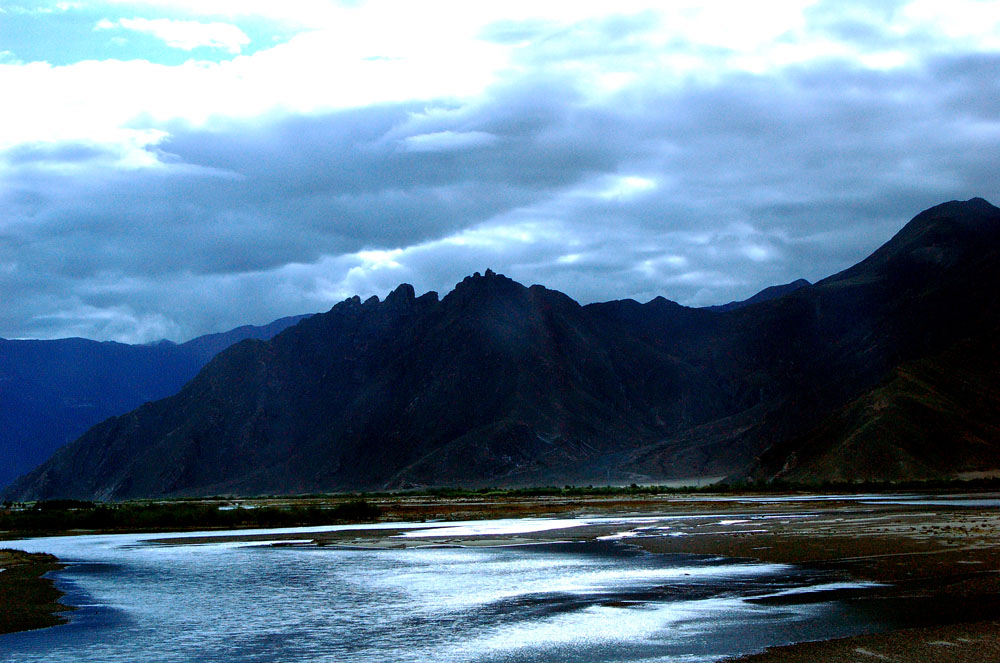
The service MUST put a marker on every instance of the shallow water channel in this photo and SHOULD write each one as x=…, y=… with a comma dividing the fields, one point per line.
x=560, y=601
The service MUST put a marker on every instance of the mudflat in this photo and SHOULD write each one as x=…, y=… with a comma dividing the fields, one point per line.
x=28, y=600
x=939, y=567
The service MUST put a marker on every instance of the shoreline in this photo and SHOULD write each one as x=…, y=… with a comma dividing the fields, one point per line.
x=939, y=570
x=937, y=563
x=28, y=600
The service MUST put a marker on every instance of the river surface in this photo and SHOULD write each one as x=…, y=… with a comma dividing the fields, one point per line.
x=562, y=601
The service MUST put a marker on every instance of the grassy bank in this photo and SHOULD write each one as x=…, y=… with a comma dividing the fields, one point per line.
x=27, y=600
x=62, y=516
x=226, y=512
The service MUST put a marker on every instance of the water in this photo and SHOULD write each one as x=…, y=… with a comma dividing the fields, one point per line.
x=559, y=602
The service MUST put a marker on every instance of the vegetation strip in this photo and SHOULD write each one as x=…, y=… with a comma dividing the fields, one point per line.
x=64, y=516
x=27, y=599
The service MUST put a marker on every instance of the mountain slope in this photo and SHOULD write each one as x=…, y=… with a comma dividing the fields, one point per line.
x=932, y=418
x=51, y=392
x=499, y=384
x=492, y=383
x=765, y=295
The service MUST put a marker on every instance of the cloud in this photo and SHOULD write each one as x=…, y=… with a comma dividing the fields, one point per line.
x=442, y=141
x=185, y=35
x=628, y=155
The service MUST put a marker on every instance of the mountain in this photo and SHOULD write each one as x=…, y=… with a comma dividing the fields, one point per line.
x=205, y=347
x=501, y=384
x=935, y=417
x=767, y=294
x=933, y=413
x=52, y=391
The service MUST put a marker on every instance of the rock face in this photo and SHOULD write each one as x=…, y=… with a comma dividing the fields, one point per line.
x=501, y=384
x=51, y=392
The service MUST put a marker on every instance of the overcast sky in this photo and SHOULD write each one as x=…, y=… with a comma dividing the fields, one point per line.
x=169, y=169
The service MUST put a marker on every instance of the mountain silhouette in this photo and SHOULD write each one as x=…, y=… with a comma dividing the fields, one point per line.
x=501, y=384
x=52, y=391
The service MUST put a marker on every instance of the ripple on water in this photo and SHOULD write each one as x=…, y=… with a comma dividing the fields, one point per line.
x=240, y=602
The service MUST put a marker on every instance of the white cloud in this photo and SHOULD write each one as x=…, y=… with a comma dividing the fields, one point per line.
x=973, y=23
x=627, y=186
x=185, y=35
x=443, y=141
x=306, y=13
x=603, y=153
x=352, y=57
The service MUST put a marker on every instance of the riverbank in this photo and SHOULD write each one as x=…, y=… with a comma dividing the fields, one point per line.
x=939, y=567
x=936, y=561
x=27, y=599
x=956, y=643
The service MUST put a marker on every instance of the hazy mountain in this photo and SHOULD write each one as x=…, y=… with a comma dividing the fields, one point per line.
x=499, y=384
x=51, y=392
x=207, y=346
x=767, y=294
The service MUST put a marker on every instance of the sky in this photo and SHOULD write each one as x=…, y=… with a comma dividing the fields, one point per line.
x=174, y=168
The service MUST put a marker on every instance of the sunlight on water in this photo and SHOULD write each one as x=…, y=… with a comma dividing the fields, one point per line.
x=244, y=601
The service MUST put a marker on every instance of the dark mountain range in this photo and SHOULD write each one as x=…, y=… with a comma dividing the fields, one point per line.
x=879, y=371
x=767, y=294
x=51, y=392
x=205, y=347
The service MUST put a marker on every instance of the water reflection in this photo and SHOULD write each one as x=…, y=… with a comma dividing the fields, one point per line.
x=556, y=602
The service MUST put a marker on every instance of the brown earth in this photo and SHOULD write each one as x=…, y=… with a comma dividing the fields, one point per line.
x=940, y=566
x=27, y=599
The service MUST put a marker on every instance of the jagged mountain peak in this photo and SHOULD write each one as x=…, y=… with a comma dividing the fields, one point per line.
x=487, y=280
x=403, y=293
x=500, y=384
x=485, y=287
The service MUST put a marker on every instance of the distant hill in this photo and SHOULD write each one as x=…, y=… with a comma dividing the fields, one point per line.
x=884, y=370
x=207, y=346
x=51, y=392
x=767, y=294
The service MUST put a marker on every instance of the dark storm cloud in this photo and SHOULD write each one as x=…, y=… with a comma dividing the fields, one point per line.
x=752, y=180
x=343, y=182
x=295, y=189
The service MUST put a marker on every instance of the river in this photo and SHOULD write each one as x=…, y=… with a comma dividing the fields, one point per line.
x=559, y=601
